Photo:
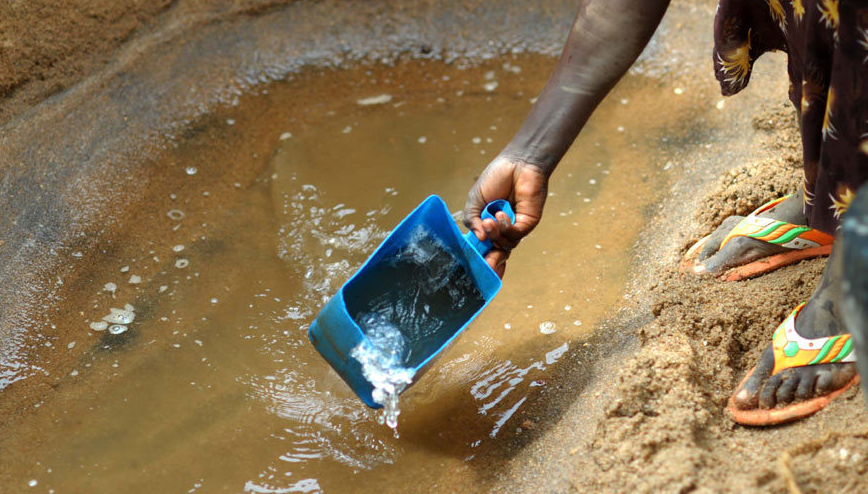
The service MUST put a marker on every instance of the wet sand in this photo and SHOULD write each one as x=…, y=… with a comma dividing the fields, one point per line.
x=636, y=404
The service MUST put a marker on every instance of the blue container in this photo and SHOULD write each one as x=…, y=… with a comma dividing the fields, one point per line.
x=334, y=333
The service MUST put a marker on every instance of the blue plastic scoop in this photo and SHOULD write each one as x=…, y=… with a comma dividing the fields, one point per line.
x=426, y=277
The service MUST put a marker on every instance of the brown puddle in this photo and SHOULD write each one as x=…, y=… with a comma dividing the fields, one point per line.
x=254, y=219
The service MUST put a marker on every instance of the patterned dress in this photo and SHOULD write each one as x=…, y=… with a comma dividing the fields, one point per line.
x=827, y=46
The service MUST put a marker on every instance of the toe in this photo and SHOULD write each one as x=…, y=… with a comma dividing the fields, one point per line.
x=787, y=390
x=747, y=396
x=768, y=394
x=832, y=377
x=807, y=378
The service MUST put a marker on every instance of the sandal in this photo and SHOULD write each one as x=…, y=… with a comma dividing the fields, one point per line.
x=792, y=350
x=804, y=242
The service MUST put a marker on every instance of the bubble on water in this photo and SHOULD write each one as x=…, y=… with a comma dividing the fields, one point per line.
x=577, y=323
x=125, y=269
x=32, y=483
x=285, y=136
x=73, y=373
x=163, y=288
x=191, y=170
x=110, y=287
x=135, y=279
x=120, y=316
x=230, y=121
x=347, y=129
x=620, y=128
x=476, y=140
x=507, y=326
x=422, y=139
x=547, y=327
x=567, y=307
x=70, y=346
x=490, y=86
x=214, y=300
x=182, y=263
x=720, y=104
x=98, y=325
x=117, y=329
x=175, y=214
x=178, y=248
x=678, y=90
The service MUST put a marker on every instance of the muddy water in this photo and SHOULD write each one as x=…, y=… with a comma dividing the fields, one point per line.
x=215, y=386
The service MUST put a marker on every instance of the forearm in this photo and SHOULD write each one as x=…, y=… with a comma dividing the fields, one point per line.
x=604, y=41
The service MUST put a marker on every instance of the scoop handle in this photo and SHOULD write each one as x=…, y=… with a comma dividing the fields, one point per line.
x=488, y=213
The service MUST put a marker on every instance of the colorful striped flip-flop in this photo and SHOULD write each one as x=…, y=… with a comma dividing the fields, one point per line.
x=792, y=350
x=804, y=243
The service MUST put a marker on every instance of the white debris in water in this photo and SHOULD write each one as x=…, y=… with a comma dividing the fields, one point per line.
x=347, y=129
x=191, y=170
x=490, y=75
x=77, y=254
x=214, y=300
x=719, y=105
x=507, y=326
x=568, y=307
x=32, y=483
x=592, y=181
x=678, y=90
x=178, y=248
x=98, y=325
x=547, y=327
x=490, y=86
x=476, y=140
x=284, y=136
x=135, y=279
x=533, y=100
x=577, y=323
x=117, y=329
x=125, y=269
x=380, y=99
x=620, y=128
x=182, y=263
x=70, y=346
x=73, y=373
x=175, y=214
x=120, y=316
x=598, y=246
x=110, y=287
x=230, y=121
x=624, y=101
x=163, y=288
x=422, y=139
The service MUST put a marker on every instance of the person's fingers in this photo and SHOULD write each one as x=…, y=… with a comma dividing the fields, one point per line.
x=496, y=258
x=498, y=237
x=472, y=209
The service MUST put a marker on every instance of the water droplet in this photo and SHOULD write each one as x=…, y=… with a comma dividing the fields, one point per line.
x=117, y=329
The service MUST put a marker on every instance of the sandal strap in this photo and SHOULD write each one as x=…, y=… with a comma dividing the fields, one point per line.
x=776, y=232
x=794, y=350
